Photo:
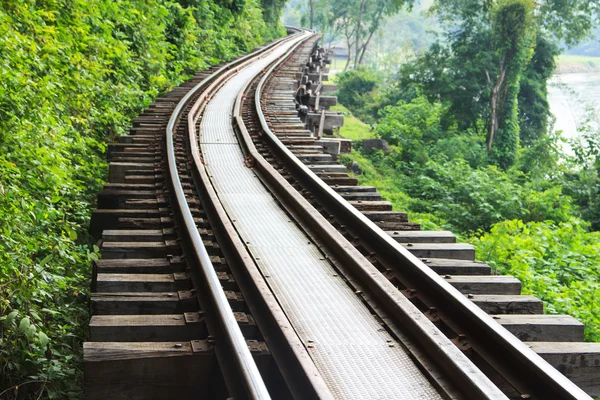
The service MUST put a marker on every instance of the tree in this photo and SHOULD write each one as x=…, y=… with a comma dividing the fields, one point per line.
x=358, y=20
x=533, y=96
x=354, y=85
x=484, y=67
x=512, y=37
x=311, y=9
x=272, y=10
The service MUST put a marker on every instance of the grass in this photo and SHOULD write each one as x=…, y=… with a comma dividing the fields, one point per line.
x=353, y=128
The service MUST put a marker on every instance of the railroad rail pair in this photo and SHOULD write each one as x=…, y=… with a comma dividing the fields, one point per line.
x=181, y=262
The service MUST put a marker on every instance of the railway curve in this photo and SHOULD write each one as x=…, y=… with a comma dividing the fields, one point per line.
x=240, y=260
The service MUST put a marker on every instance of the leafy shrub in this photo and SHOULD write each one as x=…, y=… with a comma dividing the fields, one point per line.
x=354, y=87
x=412, y=126
x=467, y=146
x=556, y=262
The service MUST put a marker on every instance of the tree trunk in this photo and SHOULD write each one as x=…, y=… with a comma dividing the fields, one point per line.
x=358, y=31
x=349, y=44
x=494, y=97
x=493, y=119
x=374, y=28
x=312, y=13
x=349, y=58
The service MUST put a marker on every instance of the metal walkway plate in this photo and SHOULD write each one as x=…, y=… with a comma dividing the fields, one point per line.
x=356, y=356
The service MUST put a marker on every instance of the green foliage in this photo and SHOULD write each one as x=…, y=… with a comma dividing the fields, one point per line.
x=357, y=21
x=379, y=170
x=411, y=126
x=272, y=10
x=556, y=262
x=533, y=94
x=454, y=75
x=73, y=75
x=512, y=35
x=355, y=87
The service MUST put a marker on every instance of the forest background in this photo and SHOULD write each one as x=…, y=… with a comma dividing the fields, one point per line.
x=459, y=90
x=73, y=73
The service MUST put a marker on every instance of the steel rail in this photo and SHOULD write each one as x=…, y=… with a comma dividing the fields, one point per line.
x=249, y=382
x=516, y=362
x=293, y=361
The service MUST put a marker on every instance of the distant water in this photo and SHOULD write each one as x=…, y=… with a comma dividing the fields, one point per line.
x=574, y=98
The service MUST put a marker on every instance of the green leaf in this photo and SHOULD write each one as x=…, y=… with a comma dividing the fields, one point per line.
x=24, y=325
x=43, y=339
x=11, y=317
x=45, y=260
x=72, y=234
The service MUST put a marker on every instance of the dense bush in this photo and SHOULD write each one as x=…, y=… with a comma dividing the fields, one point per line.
x=413, y=127
x=556, y=262
x=72, y=75
x=467, y=199
x=355, y=88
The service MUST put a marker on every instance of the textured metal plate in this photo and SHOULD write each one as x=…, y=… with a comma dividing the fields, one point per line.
x=355, y=355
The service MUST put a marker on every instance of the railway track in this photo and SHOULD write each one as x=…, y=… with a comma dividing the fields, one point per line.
x=240, y=260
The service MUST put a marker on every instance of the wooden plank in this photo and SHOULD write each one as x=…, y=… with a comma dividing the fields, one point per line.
x=398, y=226
x=340, y=180
x=147, y=328
x=149, y=370
x=457, y=267
x=118, y=170
x=150, y=265
x=423, y=236
x=308, y=158
x=354, y=189
x=372, y=205
x=109, y=218
x=145, y=265
x=132, y=303
x=387, y=216
x=508, y=304
x=118, y=198
x=459, y=251
x=328, y=168
x=580, y=362
x=370, y=196
x=543, y=328
x=130, y=235
x=112, y=250
x=321, y=124
x=142, y=282
x=486, y=284
x=129, y=187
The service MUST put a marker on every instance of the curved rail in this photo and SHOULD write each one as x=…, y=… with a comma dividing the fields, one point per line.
x=251, y=384
x=512, y=358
